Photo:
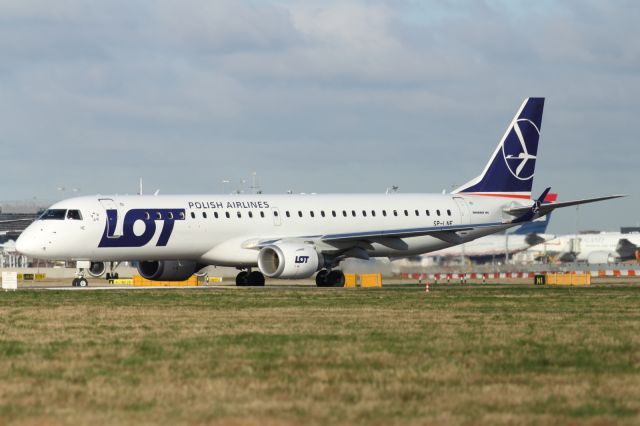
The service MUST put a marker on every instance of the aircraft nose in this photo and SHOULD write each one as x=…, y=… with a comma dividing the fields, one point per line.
x=26, y=244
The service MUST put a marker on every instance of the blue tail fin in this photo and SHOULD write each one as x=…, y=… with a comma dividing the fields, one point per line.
x=509, y=172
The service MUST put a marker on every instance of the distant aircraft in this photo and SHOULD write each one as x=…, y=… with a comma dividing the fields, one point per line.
x=594, y=248
x=294, y=236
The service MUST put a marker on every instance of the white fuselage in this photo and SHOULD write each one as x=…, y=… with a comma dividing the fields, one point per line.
x=226, y=230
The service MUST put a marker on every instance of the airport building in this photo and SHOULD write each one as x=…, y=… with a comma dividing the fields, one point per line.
x=14, y=218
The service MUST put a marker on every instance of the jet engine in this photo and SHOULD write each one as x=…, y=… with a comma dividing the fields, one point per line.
x=97, y=269
x=289, y=261
x=167, y=270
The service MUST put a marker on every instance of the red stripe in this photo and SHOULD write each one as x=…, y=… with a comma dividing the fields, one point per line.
x=493, y=194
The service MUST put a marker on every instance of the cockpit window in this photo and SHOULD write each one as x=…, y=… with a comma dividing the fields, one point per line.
x=74, y=215
x=53, y=214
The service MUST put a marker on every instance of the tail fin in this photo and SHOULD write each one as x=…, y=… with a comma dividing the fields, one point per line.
x=509, y=172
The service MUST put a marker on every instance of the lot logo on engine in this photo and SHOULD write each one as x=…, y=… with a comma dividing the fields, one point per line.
x=302, y=259
x=146, y=226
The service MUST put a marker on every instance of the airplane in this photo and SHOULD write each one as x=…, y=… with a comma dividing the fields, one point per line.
x=172, y=237
x=594, y=248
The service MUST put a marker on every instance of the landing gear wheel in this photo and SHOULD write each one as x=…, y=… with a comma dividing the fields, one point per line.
x=321, y=278
x=256, y=278
x=335, y=278
x=82, y=282
x=74, y=283
x=242, y=278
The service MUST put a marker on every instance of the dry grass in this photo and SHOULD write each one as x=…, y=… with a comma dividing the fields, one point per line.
x=460, y=355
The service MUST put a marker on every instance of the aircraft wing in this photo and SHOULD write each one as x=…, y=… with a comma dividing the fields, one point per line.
x=544, y=209
x=445, y=233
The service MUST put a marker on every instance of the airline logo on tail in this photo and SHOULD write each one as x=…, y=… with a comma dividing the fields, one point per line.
x=520, y=162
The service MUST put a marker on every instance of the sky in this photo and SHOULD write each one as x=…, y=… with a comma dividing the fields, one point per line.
x=317, y=96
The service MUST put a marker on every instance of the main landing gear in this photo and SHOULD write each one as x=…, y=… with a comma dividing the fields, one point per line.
x=250, y=278
x=333, y=278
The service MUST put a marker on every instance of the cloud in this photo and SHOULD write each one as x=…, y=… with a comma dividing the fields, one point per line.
x=320, y=93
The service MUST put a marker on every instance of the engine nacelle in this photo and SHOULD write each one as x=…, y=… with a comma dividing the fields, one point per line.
x=289, y=261
x=97, y=269
x=598, y=257
x=167, y=270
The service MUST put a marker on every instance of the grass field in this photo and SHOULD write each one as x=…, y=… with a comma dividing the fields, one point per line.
x=490, y=354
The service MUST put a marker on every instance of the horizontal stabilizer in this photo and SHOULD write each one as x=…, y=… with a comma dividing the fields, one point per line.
x=544, y=209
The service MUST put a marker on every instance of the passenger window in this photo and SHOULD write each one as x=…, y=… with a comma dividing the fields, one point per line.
x=364, y=213
x=215, y=214
x=311, y=213
x=406, y=213
x=204, y=214
x=344, y=213
x=250, y=214
x=417, y=213
x=74, y=215
x=428, y=214
x=287, y=213
x=322, y=213
x=373, y=213
x=353, y=213
x=227, y=215
x=158, y=216
x=299, y=213
x=239, y=215
x=261, y=214
x=384, y=213
x=449, y=212
x=182, y=215
x=395, y=212
x=333, y=213
x=438, y=212
x=275, y=213
x=170, y=215
x=193, y=215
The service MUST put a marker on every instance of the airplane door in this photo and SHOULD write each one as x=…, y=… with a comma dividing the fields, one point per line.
x=114, y=225
x=463, y=208
x=276, y=216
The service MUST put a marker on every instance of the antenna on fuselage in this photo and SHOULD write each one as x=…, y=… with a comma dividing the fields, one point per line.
x=393, y=188
x=140, y=190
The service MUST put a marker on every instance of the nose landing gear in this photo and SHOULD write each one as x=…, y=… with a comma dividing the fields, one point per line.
x=80, y=280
